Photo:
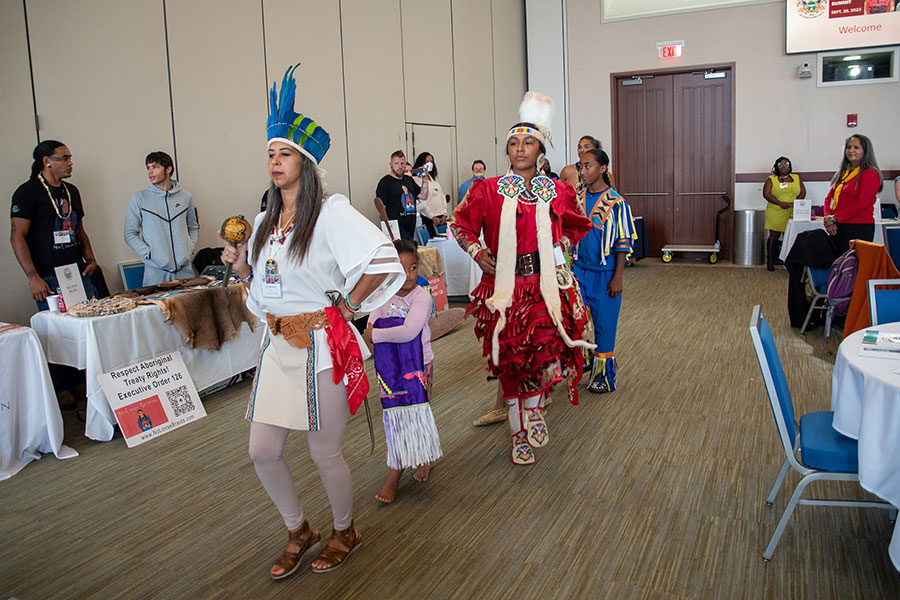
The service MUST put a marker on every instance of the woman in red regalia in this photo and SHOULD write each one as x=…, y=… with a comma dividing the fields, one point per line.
x=529, y=312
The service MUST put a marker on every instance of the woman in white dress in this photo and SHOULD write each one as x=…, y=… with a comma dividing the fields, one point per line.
x=312, y=262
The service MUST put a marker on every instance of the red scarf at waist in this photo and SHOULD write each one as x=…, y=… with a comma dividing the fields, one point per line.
x=346, y=358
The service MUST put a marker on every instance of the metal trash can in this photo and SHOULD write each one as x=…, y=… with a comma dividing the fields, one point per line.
x=749, y=237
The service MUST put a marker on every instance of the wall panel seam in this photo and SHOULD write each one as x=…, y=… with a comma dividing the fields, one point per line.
x=37, y=127
x=344, y=97
x=171, y=99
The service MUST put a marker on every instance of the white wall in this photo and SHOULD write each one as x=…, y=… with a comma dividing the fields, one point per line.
x=322, y=68
x=473, y=73
x=508, y=27
x=218, y=92
x=428, y=61
x=776, y=113
x=17, y=133
x=547, y=68
x=102, y=74
x=374, y=79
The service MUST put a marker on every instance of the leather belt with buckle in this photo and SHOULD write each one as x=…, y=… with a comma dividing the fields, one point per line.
x=528, y=264
x=297, y=329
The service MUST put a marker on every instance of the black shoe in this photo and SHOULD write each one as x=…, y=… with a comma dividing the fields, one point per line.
x=599, y=386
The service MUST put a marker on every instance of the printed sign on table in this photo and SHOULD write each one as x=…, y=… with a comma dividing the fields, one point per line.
x=69, y=279
x=152, y=397
x=438, y=293
x=802, y=209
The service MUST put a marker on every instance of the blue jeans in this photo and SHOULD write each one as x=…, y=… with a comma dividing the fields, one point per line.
x=89, y=289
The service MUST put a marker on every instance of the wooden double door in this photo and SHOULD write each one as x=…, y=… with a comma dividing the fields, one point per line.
x=674, y=153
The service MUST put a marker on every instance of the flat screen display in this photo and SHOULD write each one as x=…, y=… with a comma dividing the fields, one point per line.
x=820, y=25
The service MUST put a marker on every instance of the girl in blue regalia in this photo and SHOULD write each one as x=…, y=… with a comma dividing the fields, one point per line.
x=601, y=262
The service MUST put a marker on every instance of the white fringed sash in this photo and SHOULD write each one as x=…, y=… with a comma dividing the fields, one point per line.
x=505, y=271
x=411, y=436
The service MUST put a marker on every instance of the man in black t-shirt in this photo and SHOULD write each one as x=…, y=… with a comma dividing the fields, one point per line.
x=48, y=231
x=48, y=223
x=395, y=197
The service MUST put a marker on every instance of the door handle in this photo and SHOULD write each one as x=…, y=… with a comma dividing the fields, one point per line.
x=700, y=193
x=645, y=193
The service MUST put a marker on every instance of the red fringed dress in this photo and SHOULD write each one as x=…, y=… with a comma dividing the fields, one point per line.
x=532, y=353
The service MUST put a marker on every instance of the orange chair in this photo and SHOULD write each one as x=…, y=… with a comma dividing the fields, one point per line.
x=874, y=263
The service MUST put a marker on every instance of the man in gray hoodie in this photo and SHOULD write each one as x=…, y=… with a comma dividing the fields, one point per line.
x=161, y=224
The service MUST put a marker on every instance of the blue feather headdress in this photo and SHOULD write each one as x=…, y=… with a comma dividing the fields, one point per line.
x=285, y=125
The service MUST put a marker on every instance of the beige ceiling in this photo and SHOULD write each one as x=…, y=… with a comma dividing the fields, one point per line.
x=619, y=10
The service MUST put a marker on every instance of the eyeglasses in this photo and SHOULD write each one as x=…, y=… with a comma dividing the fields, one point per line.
x=65, y=158
x=783, y=163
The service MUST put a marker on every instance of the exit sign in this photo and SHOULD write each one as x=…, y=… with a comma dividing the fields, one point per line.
x=670, y=49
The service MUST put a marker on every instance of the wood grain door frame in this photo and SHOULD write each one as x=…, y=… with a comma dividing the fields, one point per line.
x=727, y=219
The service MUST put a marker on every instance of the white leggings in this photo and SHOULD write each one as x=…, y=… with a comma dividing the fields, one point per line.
x=267, y=452
x=514, y=407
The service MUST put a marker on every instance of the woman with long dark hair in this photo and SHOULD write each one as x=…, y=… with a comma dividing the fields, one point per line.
x=850, y=203
x=313, y=262
x=528, y=311
x=434, y=211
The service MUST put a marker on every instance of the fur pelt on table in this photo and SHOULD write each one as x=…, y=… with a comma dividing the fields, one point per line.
x=208, y=318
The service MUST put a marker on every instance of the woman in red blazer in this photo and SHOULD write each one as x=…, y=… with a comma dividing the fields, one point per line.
x=850, y=204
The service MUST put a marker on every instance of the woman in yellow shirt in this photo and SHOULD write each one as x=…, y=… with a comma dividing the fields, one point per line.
x=780, y=191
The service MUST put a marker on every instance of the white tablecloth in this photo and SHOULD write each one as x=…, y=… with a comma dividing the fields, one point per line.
x=865, y=397
x=461, y=273
x=795, y=228
x=102, y=344
x=30, y=422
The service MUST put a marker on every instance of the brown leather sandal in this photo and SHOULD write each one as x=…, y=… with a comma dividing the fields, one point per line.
x=305, y=538
x=338, y=548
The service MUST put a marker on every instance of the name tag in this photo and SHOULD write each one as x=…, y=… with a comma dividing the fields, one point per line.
x=272, y=290
x=783, y=185
x=62, y=237
x=558, y=256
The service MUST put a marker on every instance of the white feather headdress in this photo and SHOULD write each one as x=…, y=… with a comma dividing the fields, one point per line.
x=535, y=109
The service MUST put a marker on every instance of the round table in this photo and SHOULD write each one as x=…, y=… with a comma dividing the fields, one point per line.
x=795, y=228
x=461, y=273
x=865, y=397
x=30, y=421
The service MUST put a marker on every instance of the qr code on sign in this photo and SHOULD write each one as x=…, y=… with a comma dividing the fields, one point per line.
x=180, y=400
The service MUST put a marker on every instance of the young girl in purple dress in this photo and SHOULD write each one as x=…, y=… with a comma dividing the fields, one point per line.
x=399, y=332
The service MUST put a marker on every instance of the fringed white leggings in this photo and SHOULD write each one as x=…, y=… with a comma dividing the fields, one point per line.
x=267, y=452
x=514, y=408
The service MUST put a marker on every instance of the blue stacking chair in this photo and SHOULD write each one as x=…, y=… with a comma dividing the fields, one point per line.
x=884, y=301
x=421, y=233
x=132, y=274
x=824, y=453
x=819, y=279
x=892, y=242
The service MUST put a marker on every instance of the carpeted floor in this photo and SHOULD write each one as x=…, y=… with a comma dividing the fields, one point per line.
x=655, y=491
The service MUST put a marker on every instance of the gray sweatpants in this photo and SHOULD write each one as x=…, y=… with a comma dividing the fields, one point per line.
x=267, y=452
x=154, y=276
